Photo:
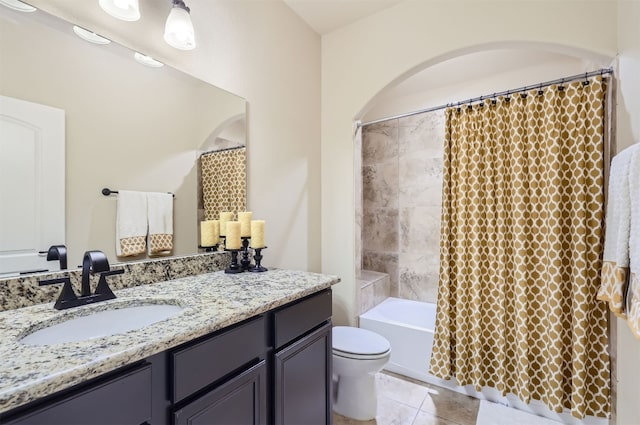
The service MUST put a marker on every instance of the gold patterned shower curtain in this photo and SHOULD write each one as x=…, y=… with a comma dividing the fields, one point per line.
x=521, y=248
x=224, y=178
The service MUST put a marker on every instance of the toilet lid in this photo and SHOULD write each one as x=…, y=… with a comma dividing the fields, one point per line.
x=360, y=341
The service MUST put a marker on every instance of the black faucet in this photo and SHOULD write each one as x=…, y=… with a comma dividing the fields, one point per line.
x=58, y=252
x=93, y=262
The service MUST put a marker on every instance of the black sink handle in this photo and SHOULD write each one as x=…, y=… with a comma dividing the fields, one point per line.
x=112, y=272
x=67, y=296
x=103, y=290
x=65, y=280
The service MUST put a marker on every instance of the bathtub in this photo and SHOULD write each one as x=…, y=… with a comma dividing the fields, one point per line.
x=409, y=326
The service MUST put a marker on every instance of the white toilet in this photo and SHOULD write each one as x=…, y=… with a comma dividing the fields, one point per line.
x=358, y=354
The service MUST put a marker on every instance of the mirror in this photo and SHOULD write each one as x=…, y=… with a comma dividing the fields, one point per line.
x=128, y=126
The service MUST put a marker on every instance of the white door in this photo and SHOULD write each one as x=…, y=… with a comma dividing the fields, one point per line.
x=32, y=184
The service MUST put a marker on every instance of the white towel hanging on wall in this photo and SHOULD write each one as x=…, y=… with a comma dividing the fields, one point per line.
x=160, y=217
x=633, y=293
x=615, y=264
x=131, y=223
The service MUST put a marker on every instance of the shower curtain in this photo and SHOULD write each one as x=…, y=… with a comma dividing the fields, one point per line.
x=223, y=181
x=521, y=248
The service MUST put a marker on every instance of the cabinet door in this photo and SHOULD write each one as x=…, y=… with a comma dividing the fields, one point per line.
x=303, y=380
x=124, y=399
x=241, y=401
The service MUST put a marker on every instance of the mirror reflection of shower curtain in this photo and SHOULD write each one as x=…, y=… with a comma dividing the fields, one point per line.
x=223, y=181
x=521, y=249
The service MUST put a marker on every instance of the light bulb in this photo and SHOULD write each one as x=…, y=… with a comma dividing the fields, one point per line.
x=178, y=31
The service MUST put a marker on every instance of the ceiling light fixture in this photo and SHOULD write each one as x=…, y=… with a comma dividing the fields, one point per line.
x=18, y=5
x=89, y=36
x=126, y=10
x=178, y=31
x=147, y=60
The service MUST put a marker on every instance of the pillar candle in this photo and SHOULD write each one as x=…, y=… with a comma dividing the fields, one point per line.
x=224, y=218
x=257, y=233
x=233, y=235
x=244, y=217
x=209, y=232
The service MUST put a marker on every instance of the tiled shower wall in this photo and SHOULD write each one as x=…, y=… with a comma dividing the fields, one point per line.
x=401, y=202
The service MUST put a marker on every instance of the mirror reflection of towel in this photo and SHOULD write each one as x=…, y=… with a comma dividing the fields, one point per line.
x=131, y=223
x=160, y=216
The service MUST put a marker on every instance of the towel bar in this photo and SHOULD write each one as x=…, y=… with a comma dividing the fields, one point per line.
x=106, y=192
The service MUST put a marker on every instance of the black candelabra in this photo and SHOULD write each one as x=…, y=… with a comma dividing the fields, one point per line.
x=239, y=265
x=234, y=267
x=245, y=262
x=258, y=258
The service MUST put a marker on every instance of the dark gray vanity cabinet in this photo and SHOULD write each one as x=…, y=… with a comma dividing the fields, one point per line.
x=302, y=362
x=222, y=379
x=303, y=379
x=272, y=368
x=240, y=401
x=120, y=398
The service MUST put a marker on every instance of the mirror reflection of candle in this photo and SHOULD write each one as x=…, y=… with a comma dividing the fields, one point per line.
x=233, y=235
x=244, y=217
x=209, y=233
x=224, y=218
x=257, y=233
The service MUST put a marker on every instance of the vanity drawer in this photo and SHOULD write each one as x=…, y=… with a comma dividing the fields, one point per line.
x=242, y=400
x=124, y=399
x=294, y=320
x=198, y=365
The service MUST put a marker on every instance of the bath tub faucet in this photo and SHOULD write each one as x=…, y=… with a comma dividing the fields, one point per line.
x=93, y=262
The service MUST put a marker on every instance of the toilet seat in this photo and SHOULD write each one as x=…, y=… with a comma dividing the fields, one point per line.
x=360, y=356
x=358, y=343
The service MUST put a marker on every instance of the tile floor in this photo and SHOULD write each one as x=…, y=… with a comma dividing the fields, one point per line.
x=403, y=401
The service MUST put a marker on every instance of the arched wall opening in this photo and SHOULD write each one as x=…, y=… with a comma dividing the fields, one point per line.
x=398, y=163
x=398, y=168
x=479, y=70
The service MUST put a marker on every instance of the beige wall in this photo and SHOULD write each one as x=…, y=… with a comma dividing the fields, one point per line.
x=359, y=60
x=261, y=51
x=628, y=130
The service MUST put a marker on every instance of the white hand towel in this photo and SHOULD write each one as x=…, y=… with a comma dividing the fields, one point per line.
x=131, y=223
x=633, y=293
x=160, y=216
x=615, y=265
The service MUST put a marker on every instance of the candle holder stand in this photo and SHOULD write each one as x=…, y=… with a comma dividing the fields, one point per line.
x=223, y=243
x=258, y=258
x=246, y=261
x=234, y=267
x=213, y=248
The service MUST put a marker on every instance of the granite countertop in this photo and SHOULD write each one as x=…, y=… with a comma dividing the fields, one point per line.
x=210, y=302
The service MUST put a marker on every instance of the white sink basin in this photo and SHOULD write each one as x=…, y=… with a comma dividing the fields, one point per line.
x=102, y=323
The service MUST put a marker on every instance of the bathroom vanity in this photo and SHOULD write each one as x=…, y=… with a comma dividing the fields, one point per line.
x=247, y=348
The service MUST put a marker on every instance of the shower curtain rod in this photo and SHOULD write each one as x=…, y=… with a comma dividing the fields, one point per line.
x=586, y=75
